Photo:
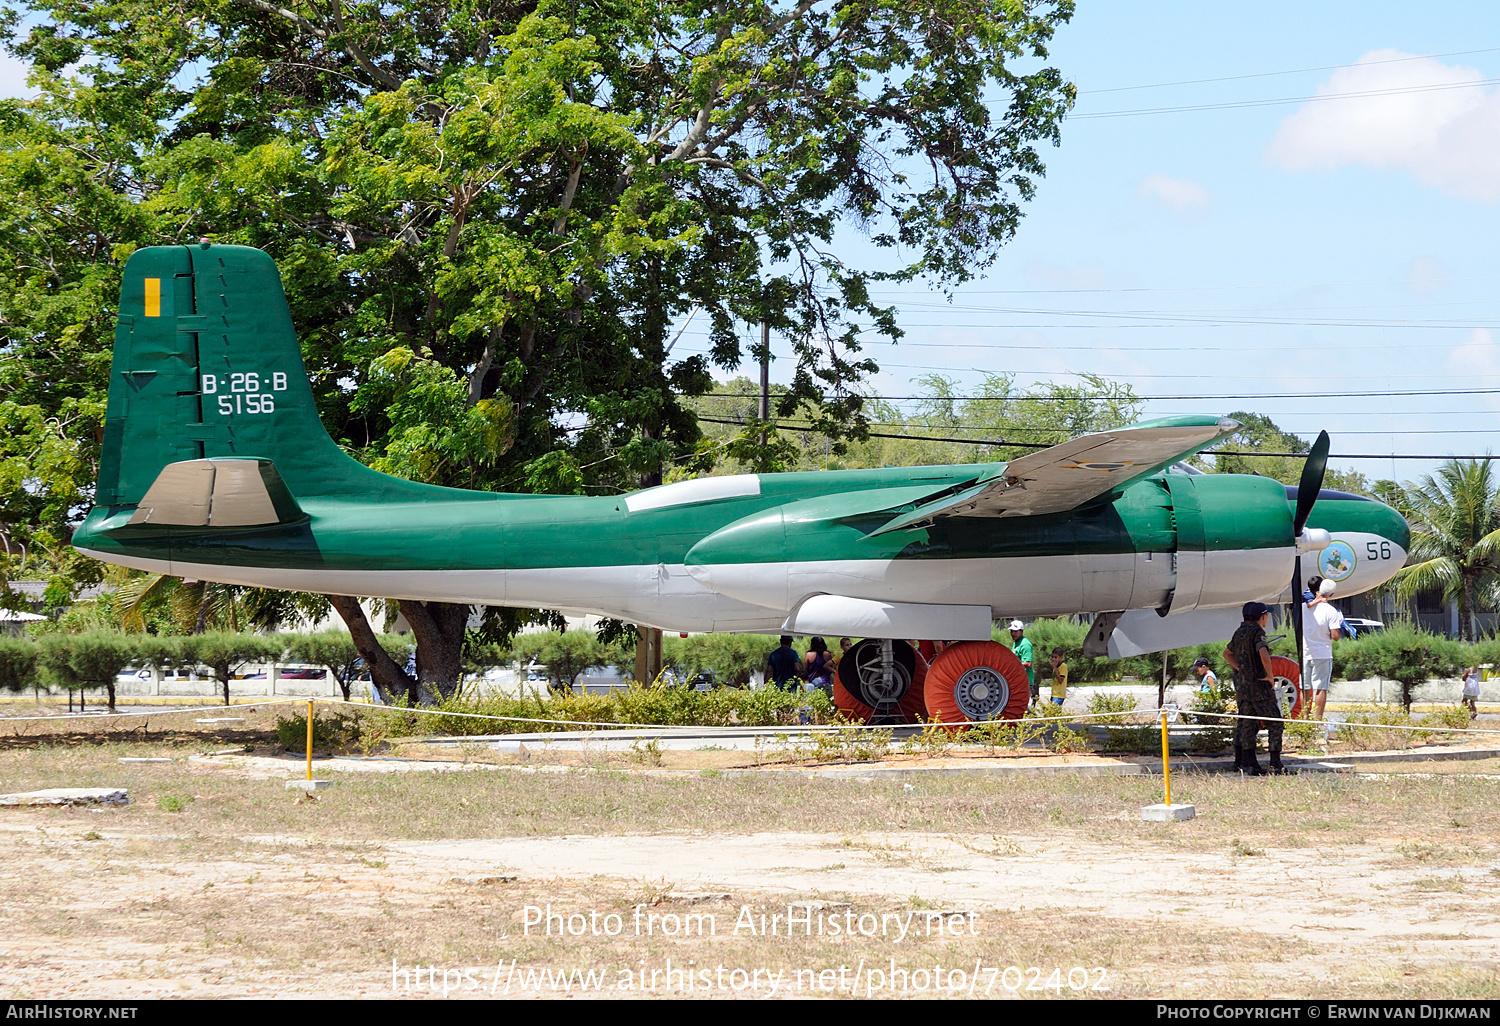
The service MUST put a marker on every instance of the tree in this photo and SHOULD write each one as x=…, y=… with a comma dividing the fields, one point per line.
x=489, y=217
x=567, y=654
x=1455, y=538
x=93, y=658
x=225, y=653
x=334, y=650
x=17, y=663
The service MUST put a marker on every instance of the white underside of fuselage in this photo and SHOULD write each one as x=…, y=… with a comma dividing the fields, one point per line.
x=760, y=596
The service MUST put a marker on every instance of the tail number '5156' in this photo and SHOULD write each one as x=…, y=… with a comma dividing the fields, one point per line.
x=245, y=392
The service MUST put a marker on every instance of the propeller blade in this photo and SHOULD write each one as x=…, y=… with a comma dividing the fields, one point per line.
x=1312, y=482
x=1297, y=608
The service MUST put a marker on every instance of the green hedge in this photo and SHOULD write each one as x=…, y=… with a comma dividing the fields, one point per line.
x=671, y=706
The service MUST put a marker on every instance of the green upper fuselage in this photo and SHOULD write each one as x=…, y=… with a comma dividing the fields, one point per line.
x=795, y=517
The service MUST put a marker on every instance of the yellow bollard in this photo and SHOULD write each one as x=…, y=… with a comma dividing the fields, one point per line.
x=1166, y=771
x=1166, y=812
x=309, y=738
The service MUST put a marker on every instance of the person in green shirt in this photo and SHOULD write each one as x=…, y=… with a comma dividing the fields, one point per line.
x=1021, y=646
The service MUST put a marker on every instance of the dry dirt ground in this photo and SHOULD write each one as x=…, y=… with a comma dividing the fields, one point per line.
x=217, y=881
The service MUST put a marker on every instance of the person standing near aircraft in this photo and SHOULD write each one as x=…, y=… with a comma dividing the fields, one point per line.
x=1208, y=681
x=1059, y=677
x=783, y=668
x=1322, y=625
x=1021, y=646
x=1249, y=654
x=818, y=666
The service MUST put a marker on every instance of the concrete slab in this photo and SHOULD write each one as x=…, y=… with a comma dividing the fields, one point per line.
x=69, y=796
x=134, y=759
x=1173, y=813
x=222, y=719
x=308, y=785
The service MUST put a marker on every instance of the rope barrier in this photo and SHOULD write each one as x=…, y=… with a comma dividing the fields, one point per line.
x=138, y=715
x=679, y=727
x=1089, y=718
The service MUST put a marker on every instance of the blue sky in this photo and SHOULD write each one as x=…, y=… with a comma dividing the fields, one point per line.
x=1259, y=249
x=1353, y=226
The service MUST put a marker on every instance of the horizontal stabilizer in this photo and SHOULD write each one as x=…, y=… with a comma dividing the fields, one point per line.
x=839, y=615
x=218, y=493
x=1066, y=476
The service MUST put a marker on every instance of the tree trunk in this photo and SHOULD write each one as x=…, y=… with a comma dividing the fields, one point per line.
x=439, y=630
x=1466, y=611
x=111, y=687
x=390, y=680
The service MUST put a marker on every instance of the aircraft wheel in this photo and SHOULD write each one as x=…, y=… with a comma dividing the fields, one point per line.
x=859, y=686
x=975, y=681
x=1286, y=679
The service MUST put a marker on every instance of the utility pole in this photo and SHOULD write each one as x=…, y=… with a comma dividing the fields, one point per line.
x=765, y=378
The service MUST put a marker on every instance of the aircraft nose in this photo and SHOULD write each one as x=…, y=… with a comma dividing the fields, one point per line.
x=1395, y=528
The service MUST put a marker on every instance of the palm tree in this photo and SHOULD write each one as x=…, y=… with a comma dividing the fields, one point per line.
x=1455, y=538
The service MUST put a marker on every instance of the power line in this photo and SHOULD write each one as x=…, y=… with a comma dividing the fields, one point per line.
x=1199, y=397
x=1294, y=71
x=1001, y=442
x=1278, y=101
x=1192, y=288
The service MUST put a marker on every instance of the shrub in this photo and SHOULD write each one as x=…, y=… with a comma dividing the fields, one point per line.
x=329, y=732
x=225, y=653
x=1142, y=740
x=91, y=659
x=1104, y=704
x=17, y=663
x=1354, y=733
x=1401, y=652
x=1449, y=716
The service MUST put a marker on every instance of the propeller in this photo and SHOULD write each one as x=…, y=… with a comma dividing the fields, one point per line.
x=1307, y=496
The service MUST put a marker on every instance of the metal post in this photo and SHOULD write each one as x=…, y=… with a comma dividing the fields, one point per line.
x=1166, y=770
x=309, y=737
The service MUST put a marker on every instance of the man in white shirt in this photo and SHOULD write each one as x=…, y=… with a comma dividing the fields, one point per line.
x=1322, y=625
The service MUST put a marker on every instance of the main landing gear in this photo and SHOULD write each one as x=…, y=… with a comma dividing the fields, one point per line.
x=888, y=682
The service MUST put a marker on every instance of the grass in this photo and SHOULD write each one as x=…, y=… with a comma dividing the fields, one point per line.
x=215, y=878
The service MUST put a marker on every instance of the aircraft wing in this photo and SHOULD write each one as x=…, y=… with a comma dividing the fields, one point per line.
x=1066, y=476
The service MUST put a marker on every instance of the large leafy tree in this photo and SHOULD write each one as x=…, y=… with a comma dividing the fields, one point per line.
x=489, y=215
x=1455, y=538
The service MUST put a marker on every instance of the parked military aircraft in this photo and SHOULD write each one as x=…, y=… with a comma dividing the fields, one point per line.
x=215, y=466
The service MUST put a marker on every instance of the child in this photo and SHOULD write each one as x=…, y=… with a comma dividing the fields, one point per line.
x=1059, y=677
x=1471, y=691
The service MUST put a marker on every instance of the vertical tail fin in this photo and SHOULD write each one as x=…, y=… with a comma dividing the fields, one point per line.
x=206, y=364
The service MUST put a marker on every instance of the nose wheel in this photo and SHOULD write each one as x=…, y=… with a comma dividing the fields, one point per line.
x=881, y=681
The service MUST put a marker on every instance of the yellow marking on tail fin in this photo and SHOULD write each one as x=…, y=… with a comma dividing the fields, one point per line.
x=153, y=297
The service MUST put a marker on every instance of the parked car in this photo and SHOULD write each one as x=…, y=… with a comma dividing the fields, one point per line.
x=1362, y=626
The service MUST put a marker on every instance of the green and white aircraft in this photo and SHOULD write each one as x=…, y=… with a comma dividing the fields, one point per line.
x=215, y=466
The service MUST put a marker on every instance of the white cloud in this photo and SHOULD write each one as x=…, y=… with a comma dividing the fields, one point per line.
x=1477, y=359
x=1447, y=137
x=1177, y=193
